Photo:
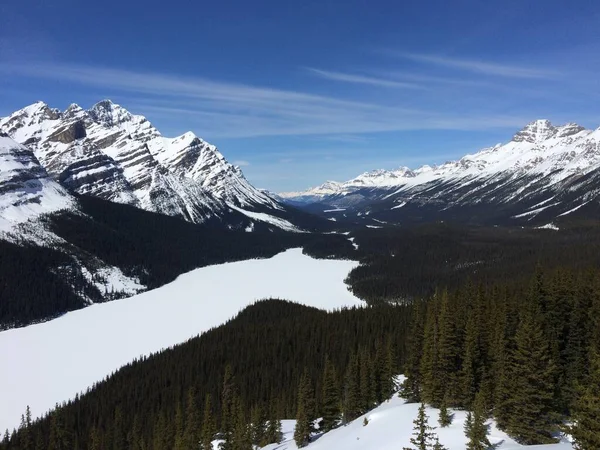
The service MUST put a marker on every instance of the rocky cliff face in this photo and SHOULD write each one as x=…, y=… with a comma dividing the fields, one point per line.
x=26, y=191
x=108, y=152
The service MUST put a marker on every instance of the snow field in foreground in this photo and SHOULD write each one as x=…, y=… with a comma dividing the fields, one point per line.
x=390, y=427
x=51, y=362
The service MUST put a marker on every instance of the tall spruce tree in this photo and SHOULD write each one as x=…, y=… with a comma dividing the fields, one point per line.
x=367, y=388
x=411, y=386
x=449, y=352
x=191, y=432
x=476, y=429
x=531, y=375
x=258, y=425
x=95, y=441
x=242, y=439
x=209, y=427
x=305, y=415
x=432, y=390
x=178, y=427
x=161, y=436
x=330, y=398
x=228, y=411
x=273, y=432
x=586, y=419
x=351, y=397
x=472, y=359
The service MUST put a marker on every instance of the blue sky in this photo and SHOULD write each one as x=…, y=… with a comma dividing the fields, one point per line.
x=298, y=92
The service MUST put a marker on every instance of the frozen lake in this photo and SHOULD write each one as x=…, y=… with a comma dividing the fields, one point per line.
x=50, y=362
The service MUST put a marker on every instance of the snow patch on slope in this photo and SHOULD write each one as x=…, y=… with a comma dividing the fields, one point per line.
x=390, y=427
x=267, y=218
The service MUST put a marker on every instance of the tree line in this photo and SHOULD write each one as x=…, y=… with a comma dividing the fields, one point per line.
x=529, y=354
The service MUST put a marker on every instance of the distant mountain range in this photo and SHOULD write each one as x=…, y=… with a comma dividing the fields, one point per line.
x=544, y=173
x=107, y=152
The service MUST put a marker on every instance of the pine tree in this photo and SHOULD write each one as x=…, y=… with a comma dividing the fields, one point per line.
x=59, y=438
x=432, y=390
x=41, y=445
x=118, y=439
x=586, y=418
x=134, y=437
x=161, y=437
x=191, y=433
x=330, y=408
x=471, y=367
x=305, y=415
x=448, y=351
x=273, y=432
x=351, y=401
x=531, y=382
x=411, y=386
x=242, y=439
x=25, y=440
x=476, y=429
x=209, y=427
x=388, y=371
x=178, y=427
x=423, y=435
x=367, y=389
x=95, y=443
x=258, y=424
x=228, y=411
x=445, y=418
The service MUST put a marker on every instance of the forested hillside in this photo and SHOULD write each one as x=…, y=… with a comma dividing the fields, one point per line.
x=399, y=264
x=267, y=347
x=527, y=351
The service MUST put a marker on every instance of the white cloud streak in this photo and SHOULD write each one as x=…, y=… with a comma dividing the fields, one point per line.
x=223, y=109
x=361, y=79
x=482, y=67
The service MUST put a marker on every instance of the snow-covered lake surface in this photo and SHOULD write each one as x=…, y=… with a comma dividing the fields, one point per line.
x=390, y=428
x=50, y=362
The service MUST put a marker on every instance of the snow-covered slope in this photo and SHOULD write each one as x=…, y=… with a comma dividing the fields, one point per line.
x=390, y=427
x=82, y=347
x=540, y=163
x=110, y=153
x=28, y=196
x=26, y=191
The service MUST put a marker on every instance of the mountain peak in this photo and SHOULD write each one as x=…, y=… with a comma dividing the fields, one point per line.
x=536, y=131
x=73, y=110
x=109, y=113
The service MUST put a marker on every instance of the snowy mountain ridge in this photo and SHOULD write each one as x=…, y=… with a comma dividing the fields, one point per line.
x=539, y=148
x=108, y=152
x=541, y=160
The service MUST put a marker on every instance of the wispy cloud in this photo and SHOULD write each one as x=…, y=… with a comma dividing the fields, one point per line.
x=482, y=67
x=361, y=79
x=224, y=109
x=241, y=163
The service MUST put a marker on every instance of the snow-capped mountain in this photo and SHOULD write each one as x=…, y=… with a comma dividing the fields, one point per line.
x=108, y=152
x=544, y=172
x=26, y=191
